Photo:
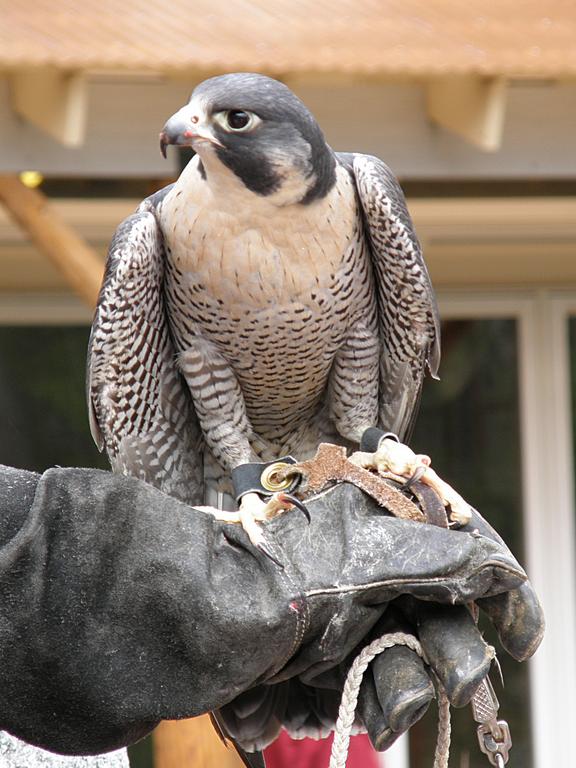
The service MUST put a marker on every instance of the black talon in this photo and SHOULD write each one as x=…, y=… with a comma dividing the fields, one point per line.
x=298, y=504
x=268, y=552
x=496, y=663
x=418, y=473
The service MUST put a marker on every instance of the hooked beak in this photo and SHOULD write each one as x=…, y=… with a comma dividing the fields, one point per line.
x=184, y=130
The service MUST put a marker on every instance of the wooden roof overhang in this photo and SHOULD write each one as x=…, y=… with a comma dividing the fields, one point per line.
x=464, y=53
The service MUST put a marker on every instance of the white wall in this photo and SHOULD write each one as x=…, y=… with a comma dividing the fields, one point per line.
x=390, y=120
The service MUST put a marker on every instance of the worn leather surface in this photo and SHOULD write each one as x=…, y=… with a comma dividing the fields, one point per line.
x=121, y=606
x=408, y=576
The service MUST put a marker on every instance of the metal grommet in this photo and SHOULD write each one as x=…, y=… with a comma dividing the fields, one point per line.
x=269, y=478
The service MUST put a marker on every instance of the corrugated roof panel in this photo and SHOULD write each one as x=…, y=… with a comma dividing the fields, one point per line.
x=414, y=37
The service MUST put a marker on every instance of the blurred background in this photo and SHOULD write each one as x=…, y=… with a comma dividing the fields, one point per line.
x=473, y=105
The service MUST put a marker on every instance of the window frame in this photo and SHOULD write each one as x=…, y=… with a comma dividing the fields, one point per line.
x=547, y=483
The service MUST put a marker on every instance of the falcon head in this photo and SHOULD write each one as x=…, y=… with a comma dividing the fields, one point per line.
x=254, y=127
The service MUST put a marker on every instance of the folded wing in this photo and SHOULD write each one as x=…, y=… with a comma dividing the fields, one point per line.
x=409, y=326
x=140, y=409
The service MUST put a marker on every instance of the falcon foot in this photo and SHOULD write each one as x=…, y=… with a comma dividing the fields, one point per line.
x=399, y=462
x=253, y=511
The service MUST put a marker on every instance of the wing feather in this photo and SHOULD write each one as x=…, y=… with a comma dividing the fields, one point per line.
x=409, y=325
x=250, y=759
x=140, y=409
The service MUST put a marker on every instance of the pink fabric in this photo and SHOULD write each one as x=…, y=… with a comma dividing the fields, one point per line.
x=308, y=753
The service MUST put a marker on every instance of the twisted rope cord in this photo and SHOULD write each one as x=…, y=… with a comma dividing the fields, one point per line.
x=351, y=690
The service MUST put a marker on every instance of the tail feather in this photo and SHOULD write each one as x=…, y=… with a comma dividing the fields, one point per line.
x=250, y=759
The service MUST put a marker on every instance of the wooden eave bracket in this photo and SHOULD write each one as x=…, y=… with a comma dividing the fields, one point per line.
x=471, y=107
x=53, y=101
x=77, y=261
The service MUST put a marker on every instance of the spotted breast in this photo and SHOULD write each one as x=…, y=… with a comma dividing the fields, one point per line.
x=271, y=292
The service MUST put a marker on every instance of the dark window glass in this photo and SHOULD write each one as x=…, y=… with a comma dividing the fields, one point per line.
x=43, y=413
x=572, y=336
x=469, y=425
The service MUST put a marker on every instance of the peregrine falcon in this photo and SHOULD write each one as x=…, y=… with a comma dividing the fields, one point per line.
x=272, y=298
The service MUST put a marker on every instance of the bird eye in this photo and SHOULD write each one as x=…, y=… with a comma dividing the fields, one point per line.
x=237, y=120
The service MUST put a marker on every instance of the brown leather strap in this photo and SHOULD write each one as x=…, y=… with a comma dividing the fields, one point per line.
x=331, y=465
x=430, y=503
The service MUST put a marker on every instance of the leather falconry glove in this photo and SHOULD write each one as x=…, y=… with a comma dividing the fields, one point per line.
x=122, y=606
x=368, y=574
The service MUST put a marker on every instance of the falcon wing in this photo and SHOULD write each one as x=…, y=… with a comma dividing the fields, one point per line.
x=409, y=325
x=140, y=408
x=139, y=405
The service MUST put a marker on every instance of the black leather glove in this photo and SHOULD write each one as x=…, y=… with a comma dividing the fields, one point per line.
x=423, y=579
x=121, y=606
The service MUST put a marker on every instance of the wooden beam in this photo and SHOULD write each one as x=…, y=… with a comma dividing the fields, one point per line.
x=53, y=101
x=191, y=744
x=471, y=107
x=80, y=265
